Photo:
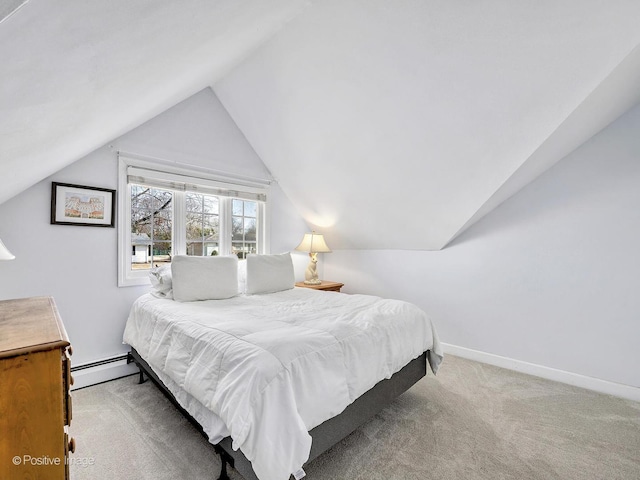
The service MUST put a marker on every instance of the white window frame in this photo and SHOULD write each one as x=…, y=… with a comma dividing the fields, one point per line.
x=196, y=178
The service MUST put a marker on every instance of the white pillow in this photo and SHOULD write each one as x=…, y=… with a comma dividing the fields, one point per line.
x=161, y=283
x=204, y=278
x=269, y=273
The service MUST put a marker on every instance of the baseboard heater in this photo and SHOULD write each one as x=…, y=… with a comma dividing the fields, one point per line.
x=106, y=361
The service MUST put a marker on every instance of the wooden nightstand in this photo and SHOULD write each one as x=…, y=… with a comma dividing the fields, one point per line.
x=325, y=285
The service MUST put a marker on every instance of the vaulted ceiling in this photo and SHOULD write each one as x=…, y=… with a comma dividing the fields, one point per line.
x=76, y=74
x=388, y=124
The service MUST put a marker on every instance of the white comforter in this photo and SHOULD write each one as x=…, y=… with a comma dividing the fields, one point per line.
x=274, y=366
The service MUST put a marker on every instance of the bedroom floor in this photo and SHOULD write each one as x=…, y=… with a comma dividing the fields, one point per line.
x=472, y=421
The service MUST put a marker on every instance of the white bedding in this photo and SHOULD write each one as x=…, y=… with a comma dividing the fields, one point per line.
x=271, y=367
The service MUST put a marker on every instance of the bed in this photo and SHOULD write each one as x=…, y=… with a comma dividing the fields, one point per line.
x=274, y=378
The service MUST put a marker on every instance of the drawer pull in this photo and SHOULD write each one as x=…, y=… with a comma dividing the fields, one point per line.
x=72, y=445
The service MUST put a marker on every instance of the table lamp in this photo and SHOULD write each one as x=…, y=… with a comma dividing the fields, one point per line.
x=313, y=243
x=5, y=254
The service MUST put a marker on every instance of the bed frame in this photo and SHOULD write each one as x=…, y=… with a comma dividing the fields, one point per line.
x=325, y=435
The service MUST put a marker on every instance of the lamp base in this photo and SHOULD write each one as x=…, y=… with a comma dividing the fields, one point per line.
x=311, y=274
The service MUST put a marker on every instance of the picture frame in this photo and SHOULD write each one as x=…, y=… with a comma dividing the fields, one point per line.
x=82, y=205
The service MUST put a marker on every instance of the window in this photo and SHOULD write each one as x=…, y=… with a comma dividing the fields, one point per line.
x=203, y=224
x=244, y=225
x=151, y=216
x=166, y=211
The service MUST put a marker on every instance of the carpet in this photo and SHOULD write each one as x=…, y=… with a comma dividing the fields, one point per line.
x=471, y=421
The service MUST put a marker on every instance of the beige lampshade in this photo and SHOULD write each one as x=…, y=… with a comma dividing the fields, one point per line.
x=5, y=254
x=313, y=243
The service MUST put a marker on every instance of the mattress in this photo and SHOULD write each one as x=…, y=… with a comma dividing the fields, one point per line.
x=266, y=369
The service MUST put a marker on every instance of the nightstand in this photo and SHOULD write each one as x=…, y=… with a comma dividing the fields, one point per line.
x=325, y=285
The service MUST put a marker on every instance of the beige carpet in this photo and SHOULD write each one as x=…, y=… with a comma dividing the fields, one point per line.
x=472, y=421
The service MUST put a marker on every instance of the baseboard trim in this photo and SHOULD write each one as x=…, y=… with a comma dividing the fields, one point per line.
x=590, y=383
x=101, y=371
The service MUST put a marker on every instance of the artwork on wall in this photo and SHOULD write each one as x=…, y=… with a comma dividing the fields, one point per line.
x=82, y=205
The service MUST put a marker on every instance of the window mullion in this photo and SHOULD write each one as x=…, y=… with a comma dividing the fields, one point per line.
x=225, y=226
x=179, y=233
x=262, y=233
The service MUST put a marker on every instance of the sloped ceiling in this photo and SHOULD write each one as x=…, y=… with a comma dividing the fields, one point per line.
x=389, y=125
x=398, y=124
x=76, y=74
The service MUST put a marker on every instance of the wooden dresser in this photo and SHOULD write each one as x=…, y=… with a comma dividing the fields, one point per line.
x=35, y=404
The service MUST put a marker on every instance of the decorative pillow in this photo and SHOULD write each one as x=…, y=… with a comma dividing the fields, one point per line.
x=204, y=278
x=161, y=283
x=269, y=273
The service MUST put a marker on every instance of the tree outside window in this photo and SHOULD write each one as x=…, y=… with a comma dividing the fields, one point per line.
x=203, y=224
x=151, y=226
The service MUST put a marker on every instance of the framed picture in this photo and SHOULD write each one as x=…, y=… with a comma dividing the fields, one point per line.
x=81, y=205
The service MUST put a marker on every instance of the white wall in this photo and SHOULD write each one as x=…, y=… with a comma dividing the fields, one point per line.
x=78, y=265
x=551, y=277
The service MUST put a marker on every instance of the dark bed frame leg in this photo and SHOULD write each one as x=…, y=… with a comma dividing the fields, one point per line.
x=225, y=459
x=130, y=359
